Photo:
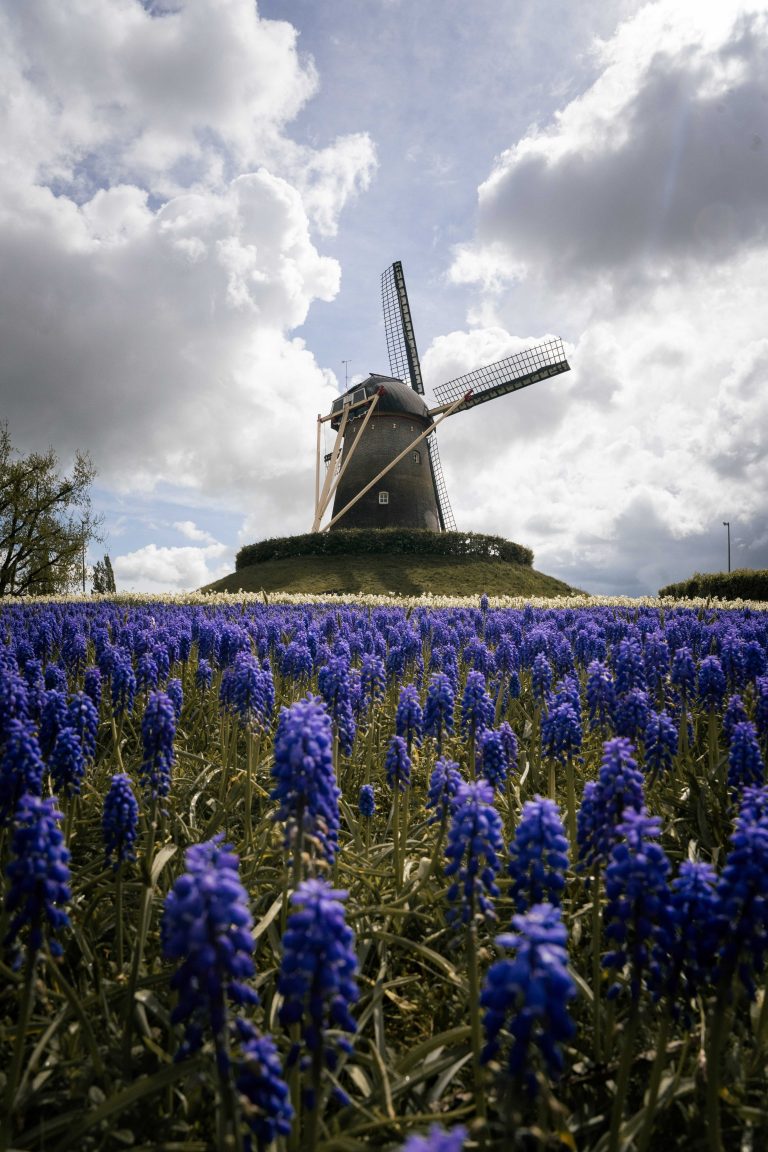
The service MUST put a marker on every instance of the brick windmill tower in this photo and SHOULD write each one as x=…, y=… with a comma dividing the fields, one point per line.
x=384, y=468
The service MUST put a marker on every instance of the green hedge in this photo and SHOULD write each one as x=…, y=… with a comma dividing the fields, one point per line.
x=398, y=541
x=743, y=584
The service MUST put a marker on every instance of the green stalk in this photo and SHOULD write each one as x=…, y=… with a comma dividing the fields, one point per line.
x=570, y=783
x=313, y=1115
x=597, y=969
x=654, y=1081
x=25, y=1012
x=143, y=929
x=717, y=1032
x=249, y=791
x=396, y=838
x=119, y=949
x=473, y=979
x=622, y=1080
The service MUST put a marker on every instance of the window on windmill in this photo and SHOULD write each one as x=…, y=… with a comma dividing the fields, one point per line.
x=383, y=497
x=416, y=456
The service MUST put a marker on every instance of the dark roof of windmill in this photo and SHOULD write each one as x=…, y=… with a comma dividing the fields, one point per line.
x=395, y=396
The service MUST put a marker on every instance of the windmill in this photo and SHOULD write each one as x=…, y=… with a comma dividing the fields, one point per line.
x=384, y=468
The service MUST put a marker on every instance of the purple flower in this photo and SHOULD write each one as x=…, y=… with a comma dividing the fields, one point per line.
x=250, y=693
x=636, y=914
x=526, y=997
x=83, y=717
x=601, y=695
x=541, y=677
x=477, y=708
x=473, y=849
x=745, y=762
x=264, y=1095
x=207, y=926
x=366, y=804
x=158, y=729
x=437, y=1140
x=438, y=710
x=561, y=731
x=92, y=685
x=397, y=764
x=631, y=715
x=742, y=895
x=683, y=672
x=444, y=784
x=122, y=684
x=538, y=855
x=305, y=782
x=693, y=914
x=619, y=786
x=38, y=875
x=203, y=675
x=659, y=744
x=333, y=682
x=735, y=713
x=21, y=766
x=629, y=669
x=318, y=972
x=120, y=822
x=67, y=763
x=176, y=696
x=712, y=685
x=409, y=717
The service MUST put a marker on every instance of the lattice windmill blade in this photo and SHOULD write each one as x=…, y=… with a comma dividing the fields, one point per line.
x=445, y=512
x=398, y=326
x=508, y=375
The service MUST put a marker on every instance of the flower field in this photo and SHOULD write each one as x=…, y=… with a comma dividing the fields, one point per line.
x=351, y=875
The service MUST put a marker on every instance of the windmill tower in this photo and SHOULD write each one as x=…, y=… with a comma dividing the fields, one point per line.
x=384, y=468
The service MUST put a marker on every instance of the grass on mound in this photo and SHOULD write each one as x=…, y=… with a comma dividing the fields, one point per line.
x=401, y=575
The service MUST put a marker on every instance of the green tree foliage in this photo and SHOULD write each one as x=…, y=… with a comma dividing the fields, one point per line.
x=46, y=521
x=103, y=576
x=741, y=584
x=389, y=541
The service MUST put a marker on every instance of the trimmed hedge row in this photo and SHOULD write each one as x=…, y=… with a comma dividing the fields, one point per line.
x=743, y=584
x=397, y=541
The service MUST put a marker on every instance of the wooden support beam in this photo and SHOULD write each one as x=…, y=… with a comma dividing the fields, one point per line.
x=443, y=415
x=349, y=453
x=331, y=468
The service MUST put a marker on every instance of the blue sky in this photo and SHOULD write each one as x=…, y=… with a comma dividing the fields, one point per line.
x=198, y=198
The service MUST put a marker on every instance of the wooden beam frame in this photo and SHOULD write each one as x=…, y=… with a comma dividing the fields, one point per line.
x=331, y=467
x=427, y=431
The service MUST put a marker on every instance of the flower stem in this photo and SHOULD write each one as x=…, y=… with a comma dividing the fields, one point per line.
x=653, y=1083
x=622, y=1080
x=597, y=970
x=25, y=1011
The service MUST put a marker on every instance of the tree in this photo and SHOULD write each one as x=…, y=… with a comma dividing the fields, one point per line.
x=46, y=521
x=103, y=576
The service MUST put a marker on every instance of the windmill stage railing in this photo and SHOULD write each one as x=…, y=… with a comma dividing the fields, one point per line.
x=508, y=375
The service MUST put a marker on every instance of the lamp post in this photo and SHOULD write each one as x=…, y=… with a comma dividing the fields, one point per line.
x=727, y=524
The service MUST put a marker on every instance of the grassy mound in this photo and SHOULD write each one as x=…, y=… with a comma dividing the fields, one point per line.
x=402, y=575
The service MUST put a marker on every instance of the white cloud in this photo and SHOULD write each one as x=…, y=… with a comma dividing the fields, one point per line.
x=635, y=224
x=155, y=569
x=160, y=221
x=189, y=529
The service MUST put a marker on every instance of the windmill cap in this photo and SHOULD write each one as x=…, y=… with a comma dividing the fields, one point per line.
x=394, y=397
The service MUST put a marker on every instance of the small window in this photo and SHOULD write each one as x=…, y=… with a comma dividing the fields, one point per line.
x=383, y=497
x=416, y=456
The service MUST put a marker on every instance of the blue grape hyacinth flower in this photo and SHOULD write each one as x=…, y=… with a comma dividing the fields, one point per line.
x=120, y=822
x=158, y=729
x=439, y=708
x=437, y=1139
x=742, y=894
x=38, y=875
x=397, y=764
x=318, y=971
x=619, y=786
x=264, y=1095
x=409, y=718
x=21, y=766
x=538, y=855
x=366, y=804
x=444, y=784
x=745, y=761
x=473, y=849
x=206, y=925
x=526, y=998
x=637, y=912
x=305, y=786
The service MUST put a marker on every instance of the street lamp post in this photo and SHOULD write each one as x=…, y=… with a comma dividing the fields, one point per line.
x=727, y=524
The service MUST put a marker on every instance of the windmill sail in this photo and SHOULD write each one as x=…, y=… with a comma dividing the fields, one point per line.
x=401, y=344
x=509, y=375
x=445, y=512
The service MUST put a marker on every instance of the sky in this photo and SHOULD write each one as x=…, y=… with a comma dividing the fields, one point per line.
x=198, y=198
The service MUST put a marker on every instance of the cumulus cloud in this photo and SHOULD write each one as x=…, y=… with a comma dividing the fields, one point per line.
x=156, y=569
x=161, y=226
x=636, y=222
